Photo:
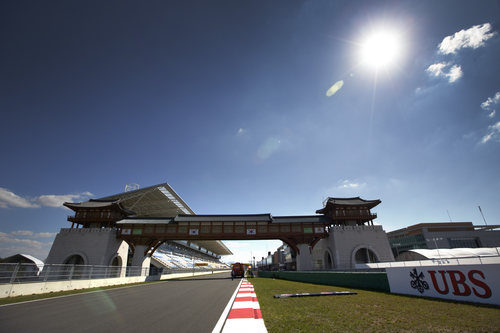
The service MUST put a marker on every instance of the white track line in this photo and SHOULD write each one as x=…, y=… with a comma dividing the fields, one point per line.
x=223, y=316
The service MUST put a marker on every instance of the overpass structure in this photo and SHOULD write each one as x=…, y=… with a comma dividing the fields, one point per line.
x=138, y=222
x=146, y=235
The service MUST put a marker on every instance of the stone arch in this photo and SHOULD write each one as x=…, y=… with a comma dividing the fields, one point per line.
x=328, y=260
x=116, y=261
x=76, y=258
x=75, y=266
x=364, y=254
x=115, y=269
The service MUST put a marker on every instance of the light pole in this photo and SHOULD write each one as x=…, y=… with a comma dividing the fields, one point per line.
x=435, y=244
x=397, y=250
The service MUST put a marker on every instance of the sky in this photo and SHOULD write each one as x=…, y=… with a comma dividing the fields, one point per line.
x=249, y=107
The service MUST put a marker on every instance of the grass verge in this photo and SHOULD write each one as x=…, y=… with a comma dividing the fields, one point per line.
x=368, y=311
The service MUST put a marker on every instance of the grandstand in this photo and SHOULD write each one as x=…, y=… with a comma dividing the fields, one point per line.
x=184, y=255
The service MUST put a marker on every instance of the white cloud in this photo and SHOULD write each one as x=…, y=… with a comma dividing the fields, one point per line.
x=10, y=199
x=45, y=234
x=21, y=241
x=51, y=200
x=241, y=131
x=486, y=105
x=437, y=69
x=493, y=133
x=473, y=37
x=489, y=104
x=22, y=233
x=455, y=73
x=443, y=69
x=269, y=147
x=348, y=184
x=29, y=233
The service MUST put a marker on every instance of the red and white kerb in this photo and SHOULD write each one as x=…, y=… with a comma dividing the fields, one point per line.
x=245, y=313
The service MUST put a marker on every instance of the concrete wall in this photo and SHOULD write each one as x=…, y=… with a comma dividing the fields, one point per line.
x=95, y=245
x=360, y=280
x=343, y=243
x=12, y=290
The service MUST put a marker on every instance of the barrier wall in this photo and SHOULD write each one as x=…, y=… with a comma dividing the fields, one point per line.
x=360, y=280
x=466, y=283
x=12, y=290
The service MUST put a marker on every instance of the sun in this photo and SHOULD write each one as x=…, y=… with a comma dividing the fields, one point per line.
x=381, y=49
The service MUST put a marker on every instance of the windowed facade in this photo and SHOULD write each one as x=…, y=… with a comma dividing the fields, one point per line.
x=468, y=242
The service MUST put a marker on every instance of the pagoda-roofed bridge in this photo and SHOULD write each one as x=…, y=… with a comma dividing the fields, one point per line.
x=293, y=230
x=147, y=218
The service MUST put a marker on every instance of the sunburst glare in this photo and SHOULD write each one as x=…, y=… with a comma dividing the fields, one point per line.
x=381, y=49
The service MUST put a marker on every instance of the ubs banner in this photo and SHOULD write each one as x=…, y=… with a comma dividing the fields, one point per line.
x=470, y=283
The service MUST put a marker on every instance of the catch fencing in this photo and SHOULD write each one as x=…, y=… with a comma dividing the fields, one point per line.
x=30, y=273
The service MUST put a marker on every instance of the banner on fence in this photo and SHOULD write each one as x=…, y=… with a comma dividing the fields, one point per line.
x=470, y=283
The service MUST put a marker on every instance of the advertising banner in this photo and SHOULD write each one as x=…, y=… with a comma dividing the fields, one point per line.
x=469, y=283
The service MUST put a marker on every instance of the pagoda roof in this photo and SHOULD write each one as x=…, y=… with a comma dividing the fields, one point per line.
x=97, y=204
x=354, y=201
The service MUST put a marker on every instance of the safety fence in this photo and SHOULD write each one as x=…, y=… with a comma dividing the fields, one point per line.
x=29, y=273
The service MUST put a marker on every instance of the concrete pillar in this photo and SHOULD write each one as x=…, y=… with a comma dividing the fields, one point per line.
x=304, y=259
x=140, y=260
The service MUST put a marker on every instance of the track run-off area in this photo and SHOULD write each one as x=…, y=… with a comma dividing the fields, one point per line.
x=185, y=305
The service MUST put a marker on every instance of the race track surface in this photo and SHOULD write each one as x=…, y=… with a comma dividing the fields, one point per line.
x=187, y=305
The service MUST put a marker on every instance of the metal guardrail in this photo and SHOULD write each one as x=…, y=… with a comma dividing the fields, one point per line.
x=29, y=273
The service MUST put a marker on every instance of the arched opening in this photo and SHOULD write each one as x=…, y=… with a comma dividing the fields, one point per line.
x=364, y=256
x=75, y=268
x=75, y=259
x=328, y=260
x=116, y=267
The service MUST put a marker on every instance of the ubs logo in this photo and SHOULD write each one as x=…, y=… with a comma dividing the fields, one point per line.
x=418, y=281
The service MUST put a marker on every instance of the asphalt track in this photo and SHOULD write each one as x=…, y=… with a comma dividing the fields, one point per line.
x=187, y=305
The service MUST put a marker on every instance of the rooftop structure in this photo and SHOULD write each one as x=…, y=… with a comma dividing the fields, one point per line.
x=443, y=235
x=154, y=201
x=129, y=227
x=349, y=211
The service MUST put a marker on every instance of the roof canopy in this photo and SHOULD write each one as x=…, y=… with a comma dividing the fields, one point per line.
x=154, y=201
x=158, y=200
x=421, y=254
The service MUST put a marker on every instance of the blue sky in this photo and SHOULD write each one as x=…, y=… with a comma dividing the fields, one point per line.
x=227, y=101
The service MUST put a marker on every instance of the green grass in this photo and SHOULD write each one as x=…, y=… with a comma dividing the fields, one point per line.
x=368, y=311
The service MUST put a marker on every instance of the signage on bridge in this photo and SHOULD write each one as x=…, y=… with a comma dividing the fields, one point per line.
x=251, y=231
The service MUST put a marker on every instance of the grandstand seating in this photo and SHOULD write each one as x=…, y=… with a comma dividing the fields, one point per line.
x=174, y=255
